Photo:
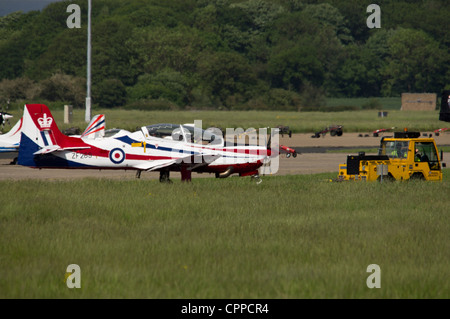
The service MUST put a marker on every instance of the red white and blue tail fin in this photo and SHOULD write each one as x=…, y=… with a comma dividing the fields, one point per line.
x=41, y=135
x=95, y=128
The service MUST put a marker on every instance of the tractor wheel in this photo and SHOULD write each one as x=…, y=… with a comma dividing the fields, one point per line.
x=386, y=178
x=417, y=177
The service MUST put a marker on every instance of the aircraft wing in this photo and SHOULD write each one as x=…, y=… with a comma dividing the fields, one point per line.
x=194, y=161
x=197, y=161
x=153, y=165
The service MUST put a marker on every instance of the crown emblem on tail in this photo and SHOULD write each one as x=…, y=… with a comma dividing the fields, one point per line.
x=45, y=122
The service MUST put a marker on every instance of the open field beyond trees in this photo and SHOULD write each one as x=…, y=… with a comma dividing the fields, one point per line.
x=298, y=122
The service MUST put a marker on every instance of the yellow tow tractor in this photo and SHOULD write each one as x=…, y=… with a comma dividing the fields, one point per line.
x=402, y=157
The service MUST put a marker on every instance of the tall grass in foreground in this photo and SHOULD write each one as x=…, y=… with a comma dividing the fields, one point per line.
x=289, y=237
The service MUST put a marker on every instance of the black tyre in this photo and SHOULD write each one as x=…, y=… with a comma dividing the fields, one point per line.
x=417, y=177
x=386, y=178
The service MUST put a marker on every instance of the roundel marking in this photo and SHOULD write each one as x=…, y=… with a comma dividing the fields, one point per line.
x=117, y=156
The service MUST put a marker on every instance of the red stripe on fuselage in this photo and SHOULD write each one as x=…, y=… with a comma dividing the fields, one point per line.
x=261, y=152
x=147, y=157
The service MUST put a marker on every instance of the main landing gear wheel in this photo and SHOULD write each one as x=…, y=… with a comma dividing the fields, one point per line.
x=164, y=177
x=257, y=179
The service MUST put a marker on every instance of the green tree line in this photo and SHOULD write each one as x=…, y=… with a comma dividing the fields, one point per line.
x=225, y=54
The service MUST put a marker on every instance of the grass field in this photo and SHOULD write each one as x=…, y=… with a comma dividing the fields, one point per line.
x=288, y=237
x=299, y=122
x=385, y=103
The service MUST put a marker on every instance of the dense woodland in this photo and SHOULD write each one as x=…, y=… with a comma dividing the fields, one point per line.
x=225, y=54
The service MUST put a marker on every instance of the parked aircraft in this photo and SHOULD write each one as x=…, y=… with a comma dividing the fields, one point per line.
x=160, y=147
x=9, y=142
